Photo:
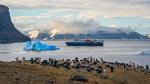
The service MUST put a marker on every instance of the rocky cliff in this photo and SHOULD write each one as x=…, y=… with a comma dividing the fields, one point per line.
x=8, y=32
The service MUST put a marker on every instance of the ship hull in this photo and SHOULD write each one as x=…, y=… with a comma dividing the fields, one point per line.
x=84, y=44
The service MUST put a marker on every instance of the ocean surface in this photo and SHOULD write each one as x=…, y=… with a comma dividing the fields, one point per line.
x=113, y=50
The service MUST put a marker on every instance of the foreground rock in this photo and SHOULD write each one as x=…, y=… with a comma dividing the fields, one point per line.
x=8, y=33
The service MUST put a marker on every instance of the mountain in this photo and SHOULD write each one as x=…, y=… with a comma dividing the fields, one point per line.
x=147, y=35
x=8, y=32
x=100, y=33
x=105, y=34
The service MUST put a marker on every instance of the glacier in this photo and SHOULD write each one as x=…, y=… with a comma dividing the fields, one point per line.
x=145, y=52
x=39, y=46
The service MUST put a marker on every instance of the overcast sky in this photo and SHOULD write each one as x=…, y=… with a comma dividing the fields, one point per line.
x=79, y=15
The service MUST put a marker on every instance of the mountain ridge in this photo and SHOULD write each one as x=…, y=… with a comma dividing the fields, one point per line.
x=8, y=32
x=100, y=33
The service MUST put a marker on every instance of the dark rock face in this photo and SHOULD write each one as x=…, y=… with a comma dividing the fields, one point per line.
x=8, y=33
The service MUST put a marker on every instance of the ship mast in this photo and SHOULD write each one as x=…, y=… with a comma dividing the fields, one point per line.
x=86, y=35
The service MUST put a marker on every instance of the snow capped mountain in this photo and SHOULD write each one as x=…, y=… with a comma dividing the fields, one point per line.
x=147, y=35
x=98, y=33
x=115, y=30
x=33, y=34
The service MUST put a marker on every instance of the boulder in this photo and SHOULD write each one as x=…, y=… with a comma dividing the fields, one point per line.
x=80, y=78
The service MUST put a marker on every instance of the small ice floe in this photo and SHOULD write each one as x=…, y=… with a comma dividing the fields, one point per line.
x=145, y=52
x=39, y=46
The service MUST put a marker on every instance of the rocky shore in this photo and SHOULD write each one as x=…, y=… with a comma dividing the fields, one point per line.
x=77, y=71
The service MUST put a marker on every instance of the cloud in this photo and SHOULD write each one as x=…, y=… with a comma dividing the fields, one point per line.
x=109, y=8
x=88, y=15
x=113, y=26
x=66, y=24
x=73, y=26
x=146, y=17
x=75, y=15
x=29, y=19
x=136, y=2
x=63, y=24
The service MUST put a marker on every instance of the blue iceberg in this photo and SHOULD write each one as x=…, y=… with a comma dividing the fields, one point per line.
x=39, y=46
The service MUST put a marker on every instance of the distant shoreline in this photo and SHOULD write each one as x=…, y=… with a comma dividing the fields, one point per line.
x=97, y=39
x=100, y=39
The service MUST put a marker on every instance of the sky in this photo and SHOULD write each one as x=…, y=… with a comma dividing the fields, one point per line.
x=67, y=16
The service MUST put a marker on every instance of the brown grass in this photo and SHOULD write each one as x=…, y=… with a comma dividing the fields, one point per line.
x=12, y=73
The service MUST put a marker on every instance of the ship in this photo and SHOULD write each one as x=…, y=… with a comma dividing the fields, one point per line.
x=85, y=42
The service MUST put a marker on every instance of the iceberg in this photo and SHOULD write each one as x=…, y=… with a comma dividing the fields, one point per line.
x=145, y=52
x=39, y=46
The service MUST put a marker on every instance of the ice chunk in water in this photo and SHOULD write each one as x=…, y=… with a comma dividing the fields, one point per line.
x=37, y=45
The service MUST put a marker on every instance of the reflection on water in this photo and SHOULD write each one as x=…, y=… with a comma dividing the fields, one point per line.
x=113, y=50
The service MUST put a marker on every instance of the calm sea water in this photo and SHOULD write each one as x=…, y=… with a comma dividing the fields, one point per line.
x=113, y=50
